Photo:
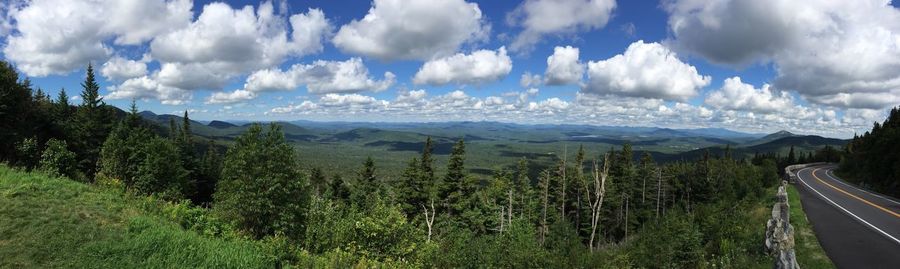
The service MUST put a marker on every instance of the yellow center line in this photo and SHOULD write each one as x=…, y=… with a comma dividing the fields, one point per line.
x=854, y=196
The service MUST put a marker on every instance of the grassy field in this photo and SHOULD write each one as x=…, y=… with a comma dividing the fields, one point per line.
x=48, y=222
x=809, y=253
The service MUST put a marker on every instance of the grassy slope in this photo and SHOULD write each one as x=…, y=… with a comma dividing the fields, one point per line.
x=809, y=253
x=48, y=222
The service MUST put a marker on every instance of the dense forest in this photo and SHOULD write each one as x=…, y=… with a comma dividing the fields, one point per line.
x=621, y=209
x=873, y=158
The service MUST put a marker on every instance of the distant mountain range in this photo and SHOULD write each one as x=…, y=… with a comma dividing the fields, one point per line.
x=499, y=142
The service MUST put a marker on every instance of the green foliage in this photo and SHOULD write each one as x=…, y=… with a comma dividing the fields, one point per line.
x=160, y=171
x=872, y=160
x=50, y=222
x=380, y=232
x=29, y=153
x=58, y=160
x=261, y=190
x=93, y=122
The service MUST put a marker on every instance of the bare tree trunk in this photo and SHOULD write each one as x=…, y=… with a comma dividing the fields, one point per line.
x=626, y=217
x=510, y=208
x=597, y=200
x=429, y=219
x=545, y=199
x=658, y=190
x=563, y=179
x=502, y=218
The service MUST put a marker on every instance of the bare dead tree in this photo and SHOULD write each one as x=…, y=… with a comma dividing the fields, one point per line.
x=429, y=218
x=509, y=209
x=545, y=197
x=658, y=190
x=563, y=179
x=599, y=191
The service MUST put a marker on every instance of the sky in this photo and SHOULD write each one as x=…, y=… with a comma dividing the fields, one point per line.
x=826, y=67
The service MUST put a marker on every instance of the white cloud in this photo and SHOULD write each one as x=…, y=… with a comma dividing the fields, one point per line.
x=353, y=99
x=563, y=67
x=230, y=97
x=60, y=36
x=118, y=68
x=148, y=88
x=736, y=95
x=837, y=53
x=422, y=29
x=529, y=80
x=544, y=17
x=479, y=67
x=226, y=42
x=305, y=107
x=647, y=70
x=411, y=97
x=320, y=77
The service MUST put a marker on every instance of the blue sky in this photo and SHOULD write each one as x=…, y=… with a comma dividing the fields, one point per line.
x=822, y=67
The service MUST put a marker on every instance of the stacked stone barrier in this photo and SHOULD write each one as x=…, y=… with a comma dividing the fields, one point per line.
x=780, y=233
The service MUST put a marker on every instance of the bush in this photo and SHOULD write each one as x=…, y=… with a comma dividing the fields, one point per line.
x=261, y=191
x=160, y=171
x=28, y=152
x=58, y=160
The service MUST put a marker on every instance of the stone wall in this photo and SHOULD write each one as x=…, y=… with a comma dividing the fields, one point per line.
x=790, y=172
x=780, y=233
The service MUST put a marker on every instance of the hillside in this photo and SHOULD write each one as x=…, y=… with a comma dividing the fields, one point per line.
x=48, y=222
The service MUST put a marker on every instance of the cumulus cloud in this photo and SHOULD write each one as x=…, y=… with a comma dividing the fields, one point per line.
x=544, y=17
x=320, y=77
x=529, y=80
x=230, y=97
x=55, y=37
x=563, y=67
x=479, y=67
x=119, y=69
x=837, y=53
x=423, y=29
x=648, y=70
x=148, y=88
x=736, y=95
x=226, y=42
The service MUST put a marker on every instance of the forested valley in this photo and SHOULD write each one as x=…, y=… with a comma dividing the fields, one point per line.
x=617, y=210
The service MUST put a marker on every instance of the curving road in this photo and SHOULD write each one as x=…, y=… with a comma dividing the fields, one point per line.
x=857, y=228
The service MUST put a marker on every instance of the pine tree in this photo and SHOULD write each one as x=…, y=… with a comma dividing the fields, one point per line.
x=427, y=163
x=317, y=181
x=93, y=124
x=367, y=187
x=186, y=134
x=451, y=191
x=792, y=157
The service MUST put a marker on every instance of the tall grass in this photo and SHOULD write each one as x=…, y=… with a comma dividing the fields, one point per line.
x=49, y=222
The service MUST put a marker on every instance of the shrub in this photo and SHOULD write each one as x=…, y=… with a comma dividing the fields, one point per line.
x=58, y=160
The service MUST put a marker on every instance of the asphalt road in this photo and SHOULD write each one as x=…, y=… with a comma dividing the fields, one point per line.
x=857, y=228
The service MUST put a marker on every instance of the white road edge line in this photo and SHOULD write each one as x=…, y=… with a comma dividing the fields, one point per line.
x=844, y=209
x=830, y=173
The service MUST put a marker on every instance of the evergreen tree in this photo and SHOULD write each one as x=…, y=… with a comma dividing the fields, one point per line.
x=367, y=185
x=412, y=191
x=451, y=191
x=427, y=163
x=338, y=189
x=261, y=191
x=93, y=124
x=317, y=181
x=15, y=106
x=792, y=157
x=209, y=172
